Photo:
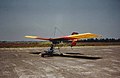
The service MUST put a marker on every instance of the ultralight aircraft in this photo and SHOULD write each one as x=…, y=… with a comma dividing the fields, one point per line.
x=74, y=37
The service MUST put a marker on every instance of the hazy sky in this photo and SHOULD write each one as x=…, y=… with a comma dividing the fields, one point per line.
x=39, y=17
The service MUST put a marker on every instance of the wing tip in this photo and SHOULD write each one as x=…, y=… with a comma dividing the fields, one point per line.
x=30, y=36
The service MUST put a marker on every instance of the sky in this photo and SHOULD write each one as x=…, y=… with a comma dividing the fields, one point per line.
x=40, y=17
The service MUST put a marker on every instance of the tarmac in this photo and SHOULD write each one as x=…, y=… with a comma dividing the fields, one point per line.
x=79, y=62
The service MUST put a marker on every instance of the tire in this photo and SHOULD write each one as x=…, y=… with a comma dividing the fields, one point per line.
x=61, y=54
x=42, y=55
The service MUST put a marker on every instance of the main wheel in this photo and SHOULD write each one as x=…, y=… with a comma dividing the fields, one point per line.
x=42, y=55
x=61, y=54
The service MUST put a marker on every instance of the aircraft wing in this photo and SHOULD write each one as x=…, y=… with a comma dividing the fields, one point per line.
x=70, y=37
x=78, y=36
x=84, y=35
x=37, y=37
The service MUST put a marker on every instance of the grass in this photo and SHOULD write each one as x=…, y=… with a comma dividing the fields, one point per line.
x=25, y=44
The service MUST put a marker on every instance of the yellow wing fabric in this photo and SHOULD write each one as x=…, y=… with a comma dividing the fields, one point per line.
x=36, y=37
x=84, y=35
x=31, y=37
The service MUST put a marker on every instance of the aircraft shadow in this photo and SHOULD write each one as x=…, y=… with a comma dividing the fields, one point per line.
x=82, y=56
x=73, y=55
x=35, y=52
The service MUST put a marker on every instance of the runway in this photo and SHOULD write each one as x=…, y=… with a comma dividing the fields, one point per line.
x=81, y=62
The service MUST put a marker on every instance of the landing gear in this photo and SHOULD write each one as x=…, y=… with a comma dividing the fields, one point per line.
x=50, y=52
x=47, y=53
